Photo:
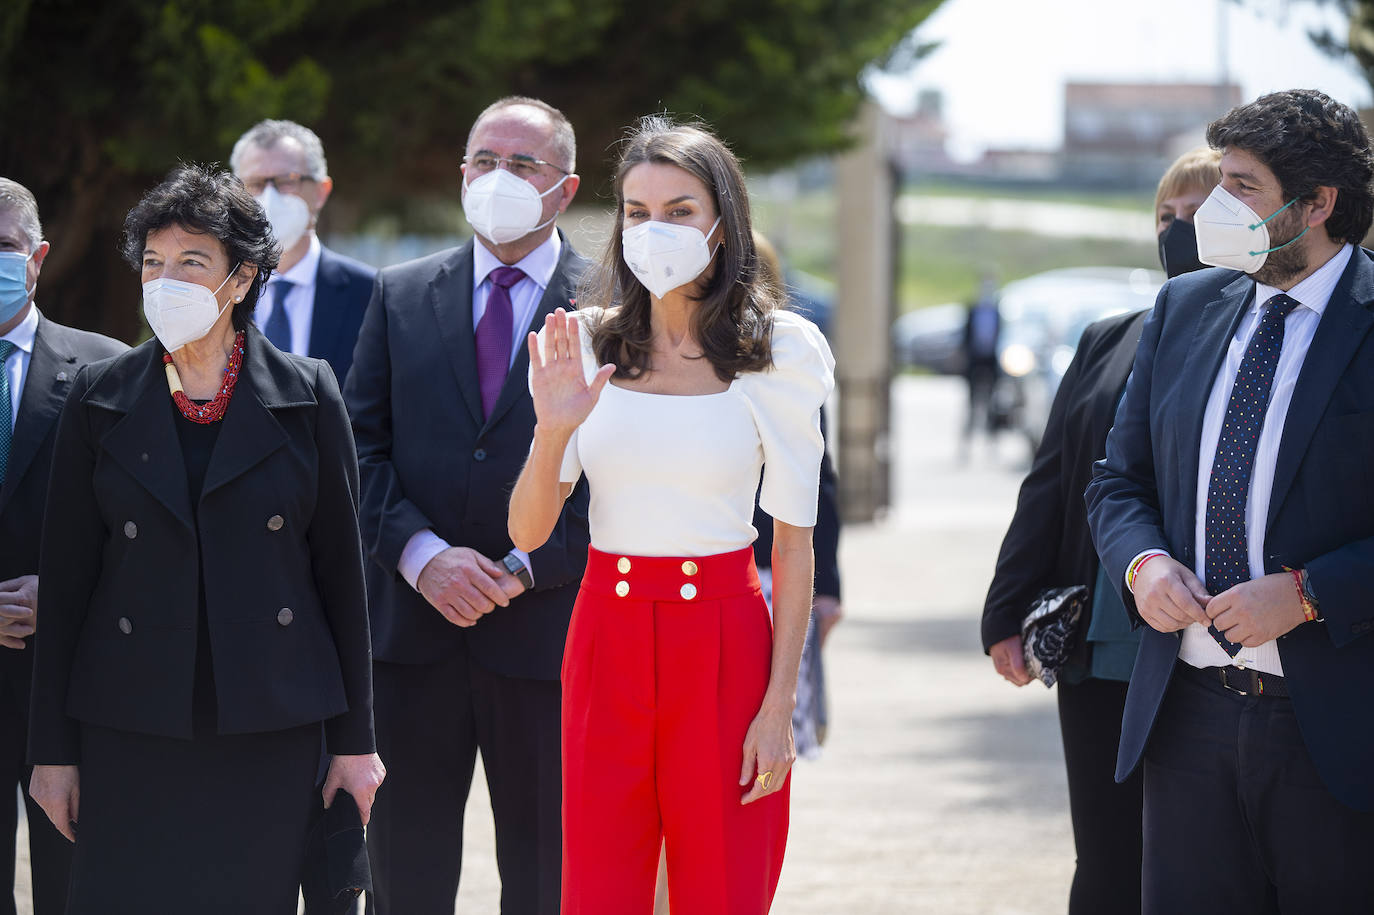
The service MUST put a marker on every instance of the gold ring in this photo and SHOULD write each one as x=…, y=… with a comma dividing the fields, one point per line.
x=765, y=779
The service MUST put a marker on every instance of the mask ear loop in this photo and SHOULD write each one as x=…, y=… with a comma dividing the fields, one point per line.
x=1271, y=216
x=221, y=286
x=556, y=186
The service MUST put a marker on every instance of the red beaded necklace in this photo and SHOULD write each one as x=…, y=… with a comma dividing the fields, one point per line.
x=213, y=411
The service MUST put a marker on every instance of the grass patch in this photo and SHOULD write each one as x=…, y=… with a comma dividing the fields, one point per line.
x=941, y=264
x=1136, y=201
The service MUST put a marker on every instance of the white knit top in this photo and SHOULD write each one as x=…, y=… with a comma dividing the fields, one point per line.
x=675, y=475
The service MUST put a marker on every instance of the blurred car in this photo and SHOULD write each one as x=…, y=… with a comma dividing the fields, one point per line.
x=1042, y=318
x=931, y=338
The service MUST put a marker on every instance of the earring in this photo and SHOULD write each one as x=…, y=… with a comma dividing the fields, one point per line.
x=238, y=298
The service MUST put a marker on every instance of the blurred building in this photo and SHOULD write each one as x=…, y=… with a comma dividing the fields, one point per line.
x=1126, y=134
x=918, y=139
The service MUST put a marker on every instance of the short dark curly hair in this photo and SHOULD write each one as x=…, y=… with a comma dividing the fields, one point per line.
x=208, y=200
x=1307, y=139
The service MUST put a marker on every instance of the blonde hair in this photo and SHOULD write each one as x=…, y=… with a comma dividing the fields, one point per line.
x=770, y=265
x=1197, y=169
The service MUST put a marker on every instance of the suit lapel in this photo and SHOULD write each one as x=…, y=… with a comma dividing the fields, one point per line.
x=144, y=443
x=558, y=294
x=250, y=432
x=324, y=318
x=451, y=298
x=1343, y=327
x=1216, y=326
x=1118, y=369
x=46, y=384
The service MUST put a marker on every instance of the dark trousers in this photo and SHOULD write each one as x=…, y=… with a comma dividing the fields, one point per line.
x=432, y=719
x=1106, y=816
x=50, y=855
x=1237, y=818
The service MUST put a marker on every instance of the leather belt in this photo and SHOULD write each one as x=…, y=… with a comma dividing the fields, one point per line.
x=1243, y=681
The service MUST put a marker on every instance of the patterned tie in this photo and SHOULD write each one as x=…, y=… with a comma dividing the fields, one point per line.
x=6, y=410
x=1227, y=551
x=278, y=329
x=493, y=336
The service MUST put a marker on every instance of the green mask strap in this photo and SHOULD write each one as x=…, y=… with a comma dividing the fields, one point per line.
x=1271, y=216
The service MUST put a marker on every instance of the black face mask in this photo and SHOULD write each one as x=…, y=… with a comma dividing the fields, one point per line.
x=1178, y=249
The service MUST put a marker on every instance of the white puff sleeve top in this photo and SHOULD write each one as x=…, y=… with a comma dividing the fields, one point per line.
x=676, y=475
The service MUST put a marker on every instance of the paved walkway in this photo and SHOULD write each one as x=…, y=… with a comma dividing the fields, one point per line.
x=941, y=789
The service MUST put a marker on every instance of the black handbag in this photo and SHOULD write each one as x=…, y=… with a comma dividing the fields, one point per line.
x=336, y=865
x=1049, y=630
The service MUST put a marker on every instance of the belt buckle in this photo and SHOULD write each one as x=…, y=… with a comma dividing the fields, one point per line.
x=1226, y=681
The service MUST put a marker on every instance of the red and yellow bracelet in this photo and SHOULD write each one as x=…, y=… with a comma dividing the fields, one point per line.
x=1136, y=566
x=1309, y=611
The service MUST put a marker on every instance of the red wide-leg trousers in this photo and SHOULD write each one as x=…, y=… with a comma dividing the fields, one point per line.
x=666, y=664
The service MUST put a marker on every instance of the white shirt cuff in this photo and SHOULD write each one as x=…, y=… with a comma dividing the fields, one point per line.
x=422, y=546
x=1136, y=561
x=525, y=558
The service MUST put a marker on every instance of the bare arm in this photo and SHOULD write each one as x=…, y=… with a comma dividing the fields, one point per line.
x=563, y=398
x=538, y=495
x=769, y=745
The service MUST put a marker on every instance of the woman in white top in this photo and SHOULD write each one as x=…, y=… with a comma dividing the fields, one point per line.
x=682, y=381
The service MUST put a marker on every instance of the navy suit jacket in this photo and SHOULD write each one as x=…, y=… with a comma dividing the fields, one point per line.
x=58, y=353
x=430, y=460
x=1321, y=514
x=343, y=288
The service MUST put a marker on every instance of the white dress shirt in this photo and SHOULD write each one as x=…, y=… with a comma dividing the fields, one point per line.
x=17, y=366
x=1312, y=294
x=300, y=300
x=539, y=266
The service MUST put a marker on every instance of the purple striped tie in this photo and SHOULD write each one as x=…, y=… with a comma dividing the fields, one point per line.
x=493, y=336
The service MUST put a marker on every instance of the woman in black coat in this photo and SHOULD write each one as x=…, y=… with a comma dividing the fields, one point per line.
x=1048, y=546
x=203, y=612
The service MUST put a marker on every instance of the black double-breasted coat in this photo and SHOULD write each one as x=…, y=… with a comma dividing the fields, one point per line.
x=275, y=537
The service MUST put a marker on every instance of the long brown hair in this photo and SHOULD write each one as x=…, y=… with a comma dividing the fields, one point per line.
x=734, y=322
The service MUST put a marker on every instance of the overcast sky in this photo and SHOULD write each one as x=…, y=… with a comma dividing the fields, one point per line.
x=1002, y=64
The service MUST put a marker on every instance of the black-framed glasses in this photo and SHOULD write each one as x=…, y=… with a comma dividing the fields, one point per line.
x=525, y=167
x=285, y=184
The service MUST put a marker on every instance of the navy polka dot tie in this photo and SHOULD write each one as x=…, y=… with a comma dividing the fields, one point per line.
x=1228, y=490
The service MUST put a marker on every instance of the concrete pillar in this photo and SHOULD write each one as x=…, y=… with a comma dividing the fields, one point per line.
x=864, y=310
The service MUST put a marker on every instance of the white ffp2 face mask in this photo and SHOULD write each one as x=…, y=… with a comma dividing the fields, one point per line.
x=664, y=256
x=502, y=208
x=179, y=312
x=1231, y=235
x=288, y=214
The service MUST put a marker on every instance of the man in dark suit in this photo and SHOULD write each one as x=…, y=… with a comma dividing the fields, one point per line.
x=315, y=299
x=1236, y=507
x=39, y=360
x=467, y=632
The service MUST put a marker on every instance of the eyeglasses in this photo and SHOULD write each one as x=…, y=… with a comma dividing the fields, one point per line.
x=525, y=167
x=285, y=184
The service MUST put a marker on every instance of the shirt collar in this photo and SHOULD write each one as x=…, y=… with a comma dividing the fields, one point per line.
x=303, y=273
x=538, y=265
x=22, y=334
x=1314, y=292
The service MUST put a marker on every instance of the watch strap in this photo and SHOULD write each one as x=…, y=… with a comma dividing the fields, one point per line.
x=517, y=568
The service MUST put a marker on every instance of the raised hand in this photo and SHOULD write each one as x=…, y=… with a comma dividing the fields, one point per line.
x=562, y=395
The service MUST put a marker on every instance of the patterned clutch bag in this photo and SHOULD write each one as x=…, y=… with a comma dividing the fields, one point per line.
x=1050, y=630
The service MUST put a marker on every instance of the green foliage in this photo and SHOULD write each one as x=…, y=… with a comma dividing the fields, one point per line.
x=102, y=97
